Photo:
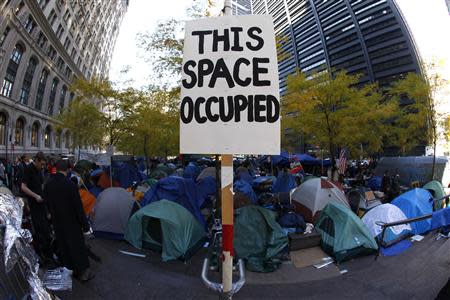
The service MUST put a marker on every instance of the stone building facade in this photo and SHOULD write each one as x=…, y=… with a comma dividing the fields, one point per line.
x=44, y=46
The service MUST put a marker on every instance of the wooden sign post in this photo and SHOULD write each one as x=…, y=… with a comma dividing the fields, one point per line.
x=229, y=100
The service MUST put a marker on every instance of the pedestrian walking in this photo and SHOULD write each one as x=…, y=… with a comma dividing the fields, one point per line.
x=32, y=187
x=69, y=221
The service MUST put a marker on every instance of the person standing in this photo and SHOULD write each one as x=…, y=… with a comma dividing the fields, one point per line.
x=31, y=186
x=2, y=174
x=69, y=221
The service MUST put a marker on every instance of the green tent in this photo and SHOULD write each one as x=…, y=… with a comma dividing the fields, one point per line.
x=165, y=226
x=344, y=235
x=436, y=189
x=258, y=238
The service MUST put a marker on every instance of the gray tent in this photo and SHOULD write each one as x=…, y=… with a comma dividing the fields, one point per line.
x=111, y=212
x=207, y=172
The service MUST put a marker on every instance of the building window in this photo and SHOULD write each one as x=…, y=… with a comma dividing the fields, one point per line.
x=72, y=95
x=67, y=43
x=62, y=98
x=51, y=17
x=60, y=63
x=11, y=71
x=42, y=40
x=51, y=101
x=2, y=129
x=35, y=135
x=58, y=139
x=17, y=53
x=51, y=53
x=41, y=90
x=67, y=140
x=4, y=35
x=18, y=136
x=19, y=7
x=42, y=3
x=27, y=80
x=29, y=25
x=47, y=137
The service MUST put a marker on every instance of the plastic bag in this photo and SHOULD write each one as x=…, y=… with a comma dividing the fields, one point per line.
x=59, y=279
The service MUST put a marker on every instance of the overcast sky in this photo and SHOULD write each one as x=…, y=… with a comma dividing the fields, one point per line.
x=428, y=20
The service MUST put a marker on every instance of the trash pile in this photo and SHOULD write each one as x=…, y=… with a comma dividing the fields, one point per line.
x=16, y=247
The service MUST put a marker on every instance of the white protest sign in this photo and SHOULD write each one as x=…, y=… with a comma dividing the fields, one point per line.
x=230, y=102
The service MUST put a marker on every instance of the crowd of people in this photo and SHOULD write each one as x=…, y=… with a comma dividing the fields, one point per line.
x=53, y=202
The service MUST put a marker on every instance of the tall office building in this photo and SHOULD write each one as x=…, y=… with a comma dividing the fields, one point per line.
x=44, y=46
x=369, y=37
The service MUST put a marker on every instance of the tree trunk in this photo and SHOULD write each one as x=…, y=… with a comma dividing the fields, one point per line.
x=434, y=159
x=146, y=155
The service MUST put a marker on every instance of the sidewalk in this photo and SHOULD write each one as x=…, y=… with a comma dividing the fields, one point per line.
x=418, y=273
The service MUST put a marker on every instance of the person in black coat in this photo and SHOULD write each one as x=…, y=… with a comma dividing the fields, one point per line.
x=69, y=222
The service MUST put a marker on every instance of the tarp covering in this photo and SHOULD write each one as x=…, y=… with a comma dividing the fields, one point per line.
x=344, y=235
x=166, y=226
x=386, y=213
x=180, y=190
x=284, y=183
x=258, y=238
x=246, y=189
x=111, y=212
x=441, y=218
x=313, y=195
x=416, y=203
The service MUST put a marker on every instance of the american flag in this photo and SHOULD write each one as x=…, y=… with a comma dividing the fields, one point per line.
x=342, y=163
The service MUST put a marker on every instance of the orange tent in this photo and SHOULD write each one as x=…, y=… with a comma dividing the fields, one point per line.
x=88, y=201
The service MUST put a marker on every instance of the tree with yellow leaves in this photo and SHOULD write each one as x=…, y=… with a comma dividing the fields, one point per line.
x=419, y=118
x=336, y=112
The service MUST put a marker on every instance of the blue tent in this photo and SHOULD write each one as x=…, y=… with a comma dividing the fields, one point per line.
x=180, y=190
x=127, y=174
x=284, y=183
x=281, y=159
x=307, y=159
x=96, y=190
x=441, y=218
x=246, y=189
x=206, y=187
x=374, y=183
x=191, y=171
x=416, y=203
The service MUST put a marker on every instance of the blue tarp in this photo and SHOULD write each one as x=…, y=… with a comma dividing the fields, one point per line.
x=284, y=183
x=191, y=171
x=397, y=248
x=416, y=203
x=206, y=187
x=96, y=190
x=374, y=183
x=262, y=179
x=246, y=189
x=440, y=218
x=127, y=174
x=180, y=190
x=281, y=159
